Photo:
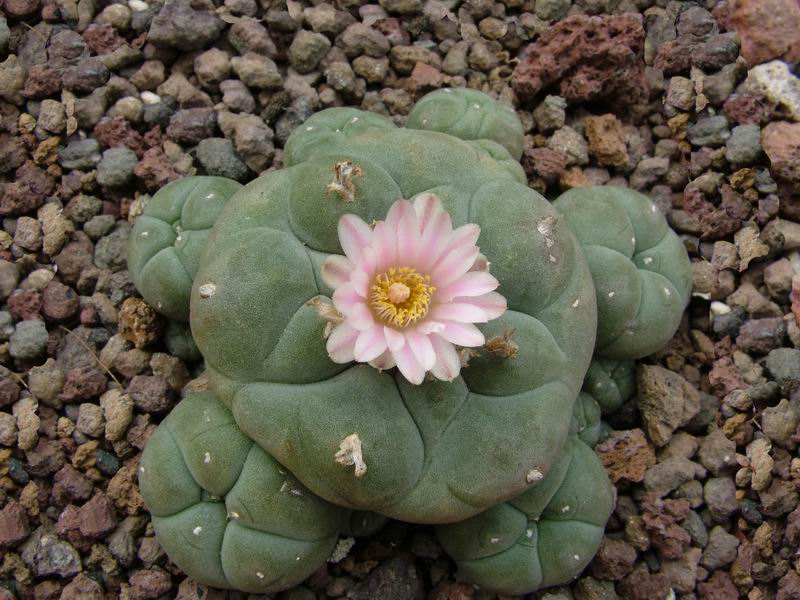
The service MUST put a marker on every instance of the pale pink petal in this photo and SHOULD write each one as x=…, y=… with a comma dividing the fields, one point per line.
x=433, y=240
x=361, y=317
x=409, y=365
x=346, y=297
x=367, y=260
x=422, y=348
x=492, y=303
x=453, y=265
x=463, y=312
x=465, y=235
x=361, y=282
x=407, y=235
x=370, y=344
x=397, y=212
x=384, y=361
x=354, y=234
x=385, y=247
x=430, y=326
x=394, y=339
x=336, y=271
x=448, y=363
x=481, y=263
x=426, y=205
x=341, y=343
x=473, y=283
x=462, y=334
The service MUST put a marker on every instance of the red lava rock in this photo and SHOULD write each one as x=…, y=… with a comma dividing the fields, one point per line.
x=614, y=559
x=97, y=517
x=20, y=8
x=789, y=586
x=781, y=143
x=46, y=458
x=643, y=585
x=70, y=485
x=626, y=455
x=591, y=58
x=718, y=587
x=82, y=587
x=9, y=391
x=661, y=519
x=47, y=590
x=43, y=81
x=74, y=258
x=147, y=584
x=424, y=77
x=83, y=383
x=759, y=336
x=123, y=488
x=769, y=29
x=59, y=302
x=745, y=109
x=24, y=305
x=119, y=133
x=192, y=125
x=13, y=153
x=155, y=169
x=150, y=393
x=717, y=221
x=544, y=162
x=14, y=527
x=28, y=191
x=102, y=39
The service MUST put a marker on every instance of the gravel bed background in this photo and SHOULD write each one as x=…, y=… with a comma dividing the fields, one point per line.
x=690, y=102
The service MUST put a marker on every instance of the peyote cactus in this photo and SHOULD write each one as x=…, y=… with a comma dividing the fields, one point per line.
x=361, y=255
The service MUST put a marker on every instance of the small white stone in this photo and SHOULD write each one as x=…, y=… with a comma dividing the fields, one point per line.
x=149, y=97
x=648, y=260
x=207, y=290
x=207, y=458
x=138, y=5
x=197, y=530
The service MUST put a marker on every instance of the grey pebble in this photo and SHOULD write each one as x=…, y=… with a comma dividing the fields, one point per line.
x=744, y=145
x=29, y=340
x=218, y=157
x=80, y=154
x=115, y=168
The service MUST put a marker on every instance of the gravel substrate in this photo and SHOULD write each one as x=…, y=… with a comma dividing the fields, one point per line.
x=690, y=102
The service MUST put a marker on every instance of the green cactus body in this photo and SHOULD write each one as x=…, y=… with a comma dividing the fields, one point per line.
x=544, y=537
x=499, y=454
x=167, y=240
x=640, y=268
x=224, y=510
x=255, y=317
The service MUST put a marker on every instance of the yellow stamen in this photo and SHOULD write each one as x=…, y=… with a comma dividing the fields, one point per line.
x=401, y=296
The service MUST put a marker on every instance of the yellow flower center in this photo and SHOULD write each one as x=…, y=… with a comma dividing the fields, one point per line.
x=401, y=296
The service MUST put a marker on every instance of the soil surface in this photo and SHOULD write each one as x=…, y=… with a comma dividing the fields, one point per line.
x=696, y=104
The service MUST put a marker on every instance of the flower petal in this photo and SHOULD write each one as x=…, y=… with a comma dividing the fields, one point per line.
x=354, y=234
x=462, y=334
x=383, y=362
x=430, y=326
x=346, y=297
x=463, y=312
x=341, y=343
x=422, y=348
x=370, y=344
x=426, y=205
x=336, y=271
x=465, y=235
x=394, y=339
x=433, y=240
x=385, y=244
x=448, y=363
x=481, y=263
x=409, y=365
x=473, y=283
x=454, y=265
x=492, y=303
x=361, y=317
x=360, y=281
x=407, y=231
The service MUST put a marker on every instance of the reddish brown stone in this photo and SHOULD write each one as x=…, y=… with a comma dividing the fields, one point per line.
x=83, y=383
x=148, y=584
x=643, y=585
x=74, y=258
x=768, y=29
x=20, y=8
x=97, y=517
x=781, y=142
x=745, y=109
x=9, y=391
x=720, y=221
x=155, y=169
x=70, y=485
x=82, y=587
x=43, y=81
x=661, y=519
x=59, y=302
x=14, y=527
x=28, y=192
x=102, y=39
x=590, y=58
x=606, y=140
x=119, y=133
x=614, y=559
x=718, y=587
x=24, y=305
x=544, y=162
x=626, y=455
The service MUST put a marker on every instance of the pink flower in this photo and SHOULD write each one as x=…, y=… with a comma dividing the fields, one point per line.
x=410, y=289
